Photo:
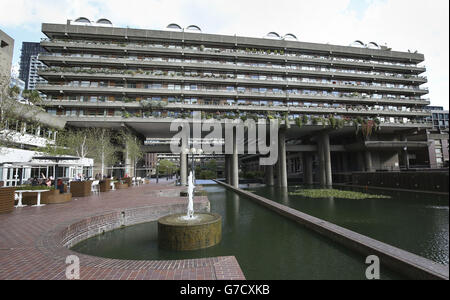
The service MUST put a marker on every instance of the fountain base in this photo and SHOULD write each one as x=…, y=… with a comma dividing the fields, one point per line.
x=179, y=233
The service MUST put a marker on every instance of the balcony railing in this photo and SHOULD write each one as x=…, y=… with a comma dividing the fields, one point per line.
x=232, y=67
x=222, y=51
x=234, y=92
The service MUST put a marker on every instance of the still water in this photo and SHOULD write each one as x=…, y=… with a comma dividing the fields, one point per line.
x=415, y=222
x=266, y=245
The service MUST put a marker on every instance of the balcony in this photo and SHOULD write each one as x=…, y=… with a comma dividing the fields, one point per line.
x=233, y=94
x=122, y=62
x=266, y=55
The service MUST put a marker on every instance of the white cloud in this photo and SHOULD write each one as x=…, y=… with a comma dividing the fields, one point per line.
x=401, y=24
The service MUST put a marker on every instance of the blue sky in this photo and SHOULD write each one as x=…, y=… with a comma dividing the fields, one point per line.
x=401, y=24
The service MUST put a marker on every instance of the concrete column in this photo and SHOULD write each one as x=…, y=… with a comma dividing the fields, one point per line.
x=307, y=168
x=235, y=164
x=321, y=157
x=282, y=158
x=183, y=169
x=368, y=159
x=269, y=175
x=327, y=159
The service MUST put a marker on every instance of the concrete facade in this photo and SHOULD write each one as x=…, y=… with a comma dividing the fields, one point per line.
x=137, y=77
x=6, y=54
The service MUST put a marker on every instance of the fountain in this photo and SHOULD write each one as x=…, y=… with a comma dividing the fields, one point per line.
x=182, y=232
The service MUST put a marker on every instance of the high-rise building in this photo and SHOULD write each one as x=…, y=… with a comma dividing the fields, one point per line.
x=29, y=64
x=6, y=53
x=439, y=117
x=114, y=76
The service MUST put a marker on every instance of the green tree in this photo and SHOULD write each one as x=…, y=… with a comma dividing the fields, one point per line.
x=12, y=111
x=167, y=167
x=132, y=148
x=80, y=142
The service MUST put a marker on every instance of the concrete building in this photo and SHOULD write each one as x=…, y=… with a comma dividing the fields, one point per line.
x=439, y=117
x=29, y=64
x=6, y=53
x=438, y=137
x=144, y=79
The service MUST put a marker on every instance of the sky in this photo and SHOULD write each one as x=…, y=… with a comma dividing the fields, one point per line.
x=400, y=24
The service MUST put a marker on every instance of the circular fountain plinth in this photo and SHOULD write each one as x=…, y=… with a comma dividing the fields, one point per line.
x=176, y=232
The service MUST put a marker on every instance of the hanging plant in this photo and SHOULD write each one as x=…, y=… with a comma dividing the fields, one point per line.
x=368, y=127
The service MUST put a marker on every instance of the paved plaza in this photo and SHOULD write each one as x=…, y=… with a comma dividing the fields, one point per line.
x=33, y=240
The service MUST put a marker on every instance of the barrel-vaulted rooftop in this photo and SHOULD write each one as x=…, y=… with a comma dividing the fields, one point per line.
x=115, y=33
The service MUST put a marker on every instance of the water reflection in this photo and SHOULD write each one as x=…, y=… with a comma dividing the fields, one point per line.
x=415, y=222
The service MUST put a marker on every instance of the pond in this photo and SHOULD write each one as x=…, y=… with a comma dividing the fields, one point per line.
x=266, y=245
x=415, y=222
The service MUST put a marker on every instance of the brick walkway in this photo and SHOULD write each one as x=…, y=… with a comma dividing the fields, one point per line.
x=34, y=241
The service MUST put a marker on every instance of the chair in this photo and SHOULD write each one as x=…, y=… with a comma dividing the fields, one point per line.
x=95, y=188
x=113, y=186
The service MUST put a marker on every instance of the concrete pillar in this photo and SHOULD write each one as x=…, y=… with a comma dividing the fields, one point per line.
x=327, y=159
x=368, y=159
x=282, y=158
x=321, y=156
x=183, y=169
x=360, y=161
x=307, y=168
x=269, y=175
x=235, y=164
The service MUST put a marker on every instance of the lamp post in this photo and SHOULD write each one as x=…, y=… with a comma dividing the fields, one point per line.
x=157, y=172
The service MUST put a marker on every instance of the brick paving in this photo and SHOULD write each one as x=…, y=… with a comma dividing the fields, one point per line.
x=35, y=241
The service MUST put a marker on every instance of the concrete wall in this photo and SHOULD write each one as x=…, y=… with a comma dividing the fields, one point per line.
x=417, y=181
x=6, y=53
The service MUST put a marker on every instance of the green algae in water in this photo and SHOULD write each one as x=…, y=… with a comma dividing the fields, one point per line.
x=327, y=193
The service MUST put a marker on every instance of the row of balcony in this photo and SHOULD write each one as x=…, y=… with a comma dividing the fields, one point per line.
x=257, y=54
x=312, y=119
x=319, y=72
x=124, y=61
x=277, y=94
x=362, y=110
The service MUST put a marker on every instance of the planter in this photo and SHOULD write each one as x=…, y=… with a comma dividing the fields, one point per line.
x=6, y=200
x=81, y=188
x=31, y=198
x=121, y=186
x=50, y=197
x=58, y=198
x=105, y=185
x=128, y=181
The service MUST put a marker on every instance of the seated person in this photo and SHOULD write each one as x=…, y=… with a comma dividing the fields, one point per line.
x=48, y=182
x=60, y=186
x=34, y=182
